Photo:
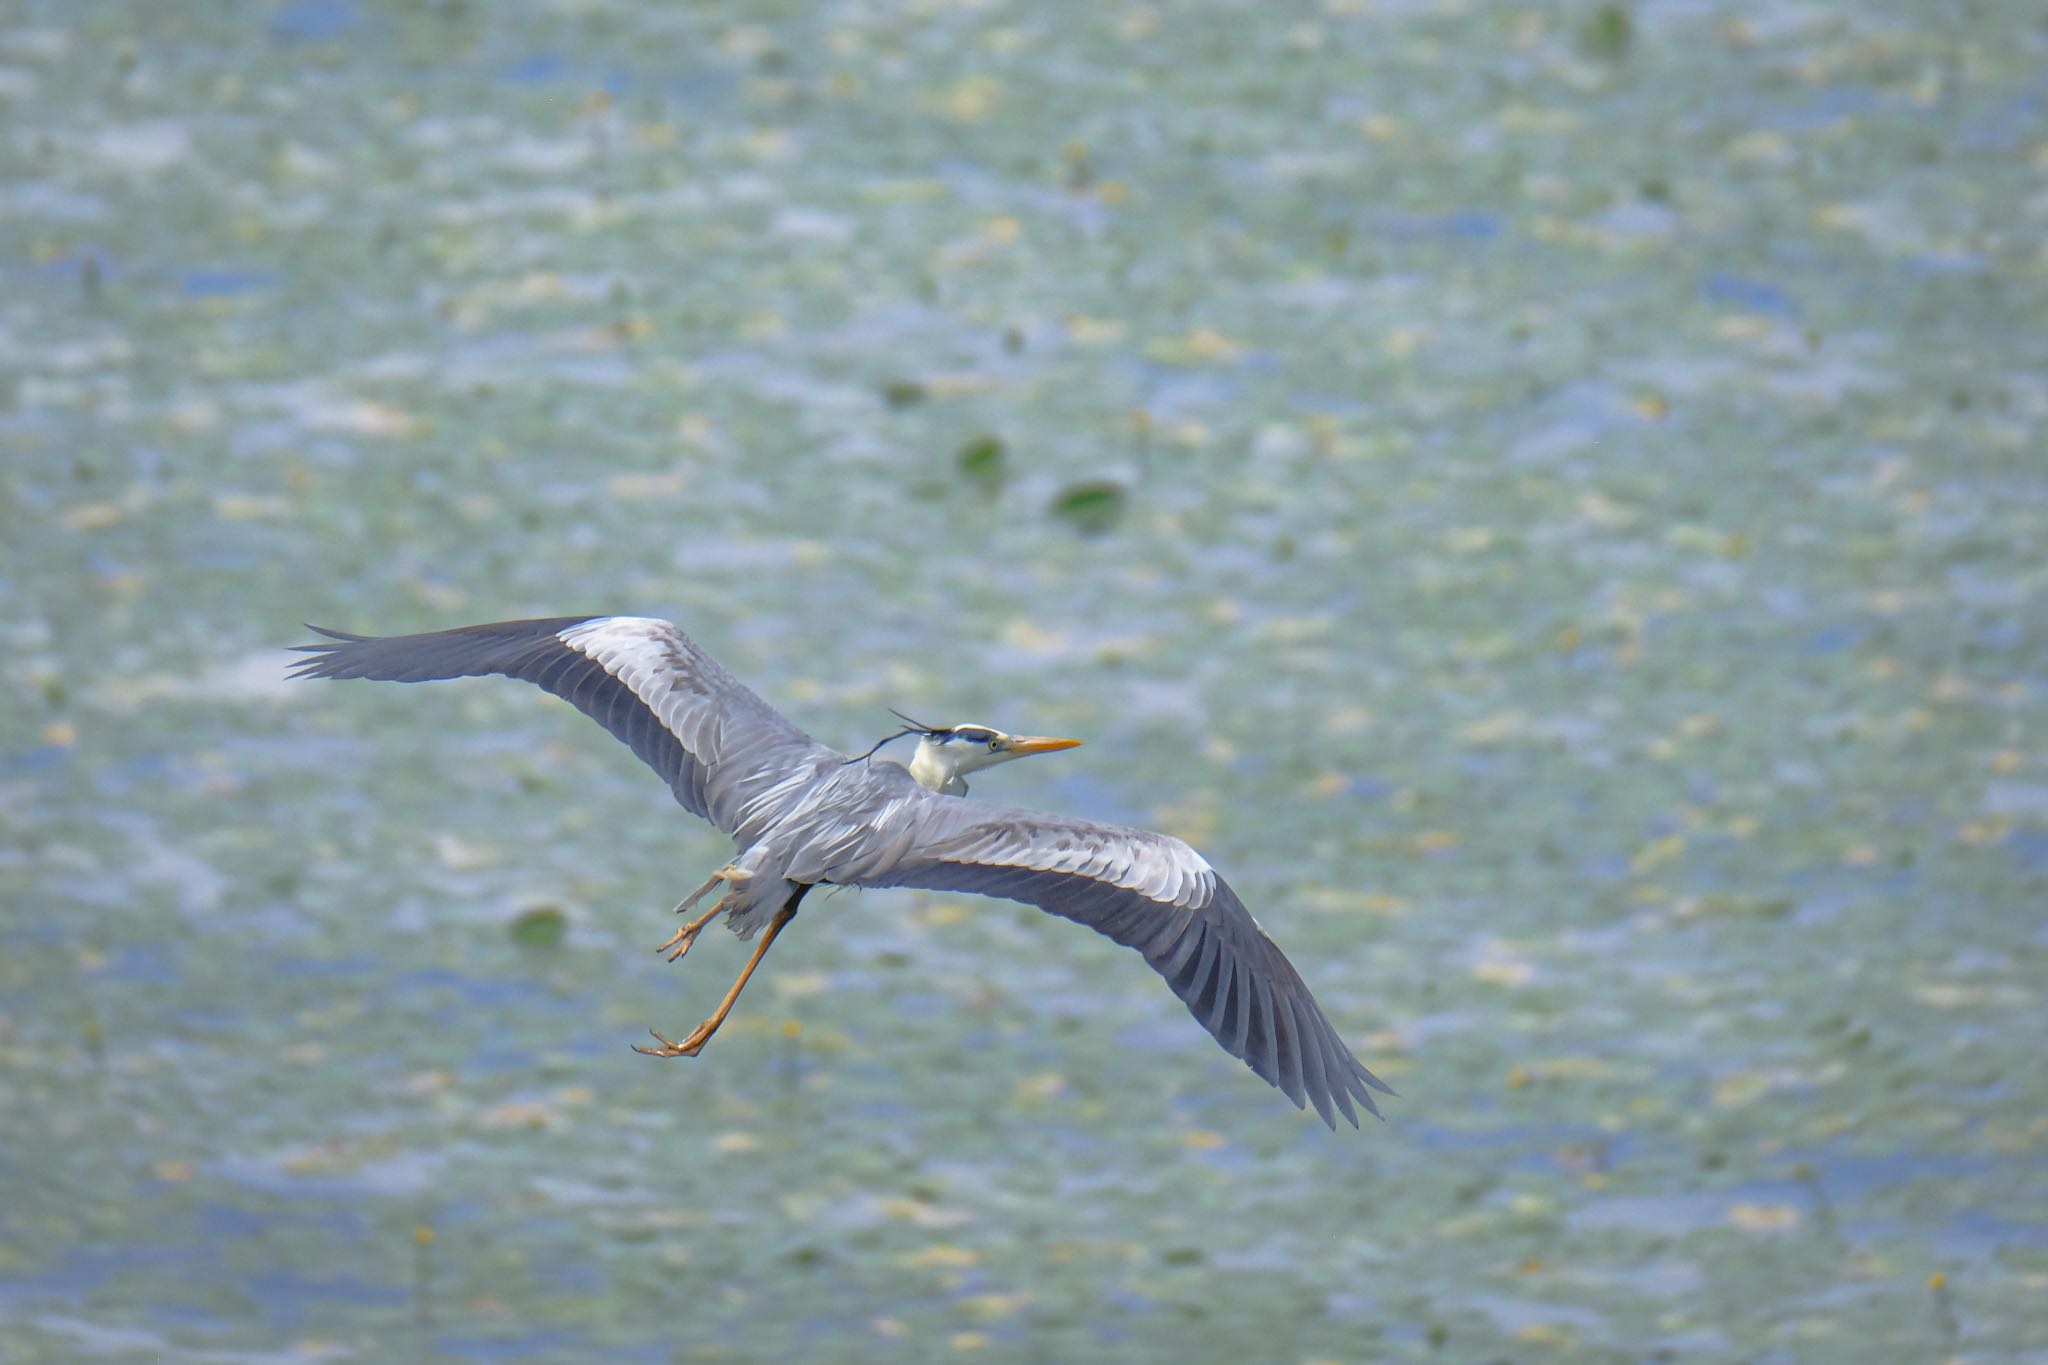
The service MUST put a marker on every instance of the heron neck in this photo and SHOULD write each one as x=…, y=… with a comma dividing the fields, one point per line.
x=937, y=770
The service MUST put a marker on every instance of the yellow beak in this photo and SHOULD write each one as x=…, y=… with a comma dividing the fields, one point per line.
x=1039, y=744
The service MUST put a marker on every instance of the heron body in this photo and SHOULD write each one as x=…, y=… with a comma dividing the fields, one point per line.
x=801, y=815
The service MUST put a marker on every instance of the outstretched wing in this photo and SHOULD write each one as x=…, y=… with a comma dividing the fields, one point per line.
x=1147, y=891
x=726, y=754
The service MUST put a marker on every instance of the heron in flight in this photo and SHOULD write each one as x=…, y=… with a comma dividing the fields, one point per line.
x=801, y=815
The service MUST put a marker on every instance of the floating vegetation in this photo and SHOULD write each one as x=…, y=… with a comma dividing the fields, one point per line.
x=541, y=927
x=1608, y=32
x=904, y=393
x=983, y=462
x=1091, y=508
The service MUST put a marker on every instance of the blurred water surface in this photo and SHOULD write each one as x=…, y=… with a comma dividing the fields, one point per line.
x=1579, y=572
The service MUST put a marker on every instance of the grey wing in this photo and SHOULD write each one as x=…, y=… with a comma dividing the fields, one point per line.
x=726, y=754
x=1146, y=891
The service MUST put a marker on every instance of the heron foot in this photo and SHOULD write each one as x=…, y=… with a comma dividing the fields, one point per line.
x=682, y=938
x=689, y=1047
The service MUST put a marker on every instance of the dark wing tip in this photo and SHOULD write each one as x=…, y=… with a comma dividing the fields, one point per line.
x=1288, y=1041
x=508, y=647
x=1364, y=1096
x=1347, y=1093
x=320, y=662
x=320, y=649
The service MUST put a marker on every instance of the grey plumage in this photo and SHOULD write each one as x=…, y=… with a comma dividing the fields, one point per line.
x=801, y=814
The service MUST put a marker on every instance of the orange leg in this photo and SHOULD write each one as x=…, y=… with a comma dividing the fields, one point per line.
x=701, y=1035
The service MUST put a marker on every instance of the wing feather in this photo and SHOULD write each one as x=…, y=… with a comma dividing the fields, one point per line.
x=723, y=751
x=1237, y=1021
x=1262, y=1053
x=1310, y=1050
x=1288, y=1046
x=1202, y=985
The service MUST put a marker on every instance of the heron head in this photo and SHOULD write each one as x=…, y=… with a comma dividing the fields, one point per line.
x=945, y=755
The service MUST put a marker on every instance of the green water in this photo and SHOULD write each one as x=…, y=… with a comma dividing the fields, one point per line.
x=1551, y=498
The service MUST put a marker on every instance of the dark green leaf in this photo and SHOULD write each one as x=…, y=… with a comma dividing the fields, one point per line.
x=1091, y=508
x=903, y=393
x=982, y=461
x=1608, y=32
x=540, y=927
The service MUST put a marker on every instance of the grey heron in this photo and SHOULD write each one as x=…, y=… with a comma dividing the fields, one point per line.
x=801, y=815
